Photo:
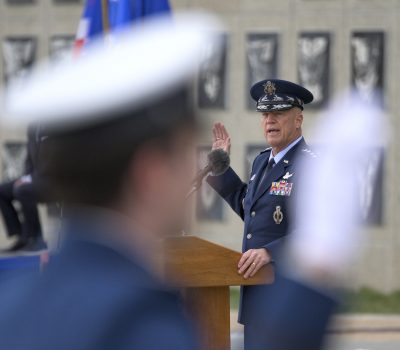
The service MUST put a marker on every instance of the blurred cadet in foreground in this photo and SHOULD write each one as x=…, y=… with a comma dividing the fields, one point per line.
x=326, y=241
x=120, y=138
x=25, y=190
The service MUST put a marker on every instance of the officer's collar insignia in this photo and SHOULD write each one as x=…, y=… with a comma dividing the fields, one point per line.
x=253, y=177
x=287, y=176
x=286, y=161
x=269, y=88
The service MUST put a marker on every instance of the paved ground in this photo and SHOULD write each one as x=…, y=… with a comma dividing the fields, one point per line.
x=365, y=332
x=350, y=332
x=345, y=342
x=382, y=341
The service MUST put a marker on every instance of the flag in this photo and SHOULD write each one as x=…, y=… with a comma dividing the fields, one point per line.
x=90, y=25
x=117, y=14
x=122, y=12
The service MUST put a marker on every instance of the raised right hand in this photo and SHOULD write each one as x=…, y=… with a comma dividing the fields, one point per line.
x=221, y=138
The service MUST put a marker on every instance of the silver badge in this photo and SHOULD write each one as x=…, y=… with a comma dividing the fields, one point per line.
x=278, y=215
x=287, y=176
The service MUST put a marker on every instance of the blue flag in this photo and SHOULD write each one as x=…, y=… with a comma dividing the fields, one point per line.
x=120, y=13
x=128, y=11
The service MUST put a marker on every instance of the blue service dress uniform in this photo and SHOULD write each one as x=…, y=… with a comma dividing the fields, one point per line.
x=92, y=295
x=264, y=207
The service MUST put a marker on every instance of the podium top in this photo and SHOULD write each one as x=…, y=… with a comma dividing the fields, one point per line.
x=194, y=262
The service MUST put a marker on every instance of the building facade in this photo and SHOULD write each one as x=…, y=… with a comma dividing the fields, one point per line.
x=326, y=45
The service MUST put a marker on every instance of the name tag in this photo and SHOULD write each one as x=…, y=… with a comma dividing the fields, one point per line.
x=281, y=188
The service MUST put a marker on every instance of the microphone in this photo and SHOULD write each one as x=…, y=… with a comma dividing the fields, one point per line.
x=218, y=161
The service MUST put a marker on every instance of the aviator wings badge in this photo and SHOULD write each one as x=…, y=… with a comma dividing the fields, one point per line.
x=287, y=176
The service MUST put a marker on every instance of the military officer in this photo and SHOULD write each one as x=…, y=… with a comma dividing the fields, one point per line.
x=263, y=203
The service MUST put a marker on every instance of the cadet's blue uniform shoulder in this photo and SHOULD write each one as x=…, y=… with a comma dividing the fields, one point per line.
x=100, y=296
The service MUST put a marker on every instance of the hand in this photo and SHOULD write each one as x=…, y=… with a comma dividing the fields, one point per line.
x=252, y=260
x=221, y=139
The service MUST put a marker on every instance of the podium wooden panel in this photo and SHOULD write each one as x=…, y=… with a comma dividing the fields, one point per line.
x=204, y=271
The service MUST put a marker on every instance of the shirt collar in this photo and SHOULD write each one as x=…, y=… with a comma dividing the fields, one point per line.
x=282, y=153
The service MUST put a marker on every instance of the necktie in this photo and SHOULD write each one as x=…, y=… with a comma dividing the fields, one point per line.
x=268, y=168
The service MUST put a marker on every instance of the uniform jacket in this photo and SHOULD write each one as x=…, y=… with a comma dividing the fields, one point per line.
x=266, y=211
x=91, y=296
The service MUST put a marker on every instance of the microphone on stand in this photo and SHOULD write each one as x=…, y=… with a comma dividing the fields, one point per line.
x=218, y=162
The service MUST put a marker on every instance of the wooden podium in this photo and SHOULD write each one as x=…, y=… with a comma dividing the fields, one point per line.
x=204, y=271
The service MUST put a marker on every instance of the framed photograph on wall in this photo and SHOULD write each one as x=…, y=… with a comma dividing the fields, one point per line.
x=314, y=65
x=371, y=179
x=251, y=152
x=209, y=205
x=19, y=54
x=211, y=89
x=367, y=63
x=61, y=47
x=262, y=60
x=13, y=160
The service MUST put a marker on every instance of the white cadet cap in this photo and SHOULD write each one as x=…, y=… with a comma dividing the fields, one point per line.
x=131, y=69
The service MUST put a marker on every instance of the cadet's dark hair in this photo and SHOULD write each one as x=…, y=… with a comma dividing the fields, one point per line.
x=86, y=164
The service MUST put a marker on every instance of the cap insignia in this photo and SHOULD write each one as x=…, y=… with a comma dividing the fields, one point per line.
x=269, y=88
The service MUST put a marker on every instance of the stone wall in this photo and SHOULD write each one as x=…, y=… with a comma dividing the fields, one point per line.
x=380, y=266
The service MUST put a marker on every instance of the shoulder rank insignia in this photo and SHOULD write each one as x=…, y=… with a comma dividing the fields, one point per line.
x=281, y=188
x=287, y=176
x=309, y=152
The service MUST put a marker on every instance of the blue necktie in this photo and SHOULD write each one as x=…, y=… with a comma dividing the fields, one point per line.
x=268, y=168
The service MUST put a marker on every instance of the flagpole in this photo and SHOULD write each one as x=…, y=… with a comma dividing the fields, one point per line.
x=105, y=16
